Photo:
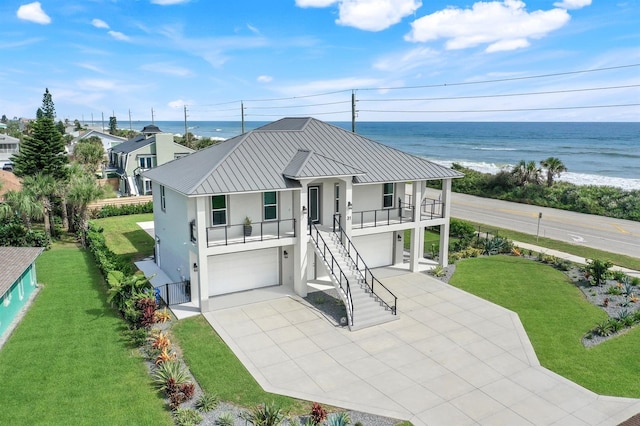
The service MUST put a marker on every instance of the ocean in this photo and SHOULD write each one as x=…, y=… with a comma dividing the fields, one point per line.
x=594, y=153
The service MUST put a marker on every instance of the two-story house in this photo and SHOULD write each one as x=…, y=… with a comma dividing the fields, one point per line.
x=9, y=146
x=291, y=201
x=144, y=152
x=108, y=141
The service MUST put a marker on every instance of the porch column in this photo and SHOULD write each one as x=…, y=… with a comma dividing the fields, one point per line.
x=346, y=199
x=444, y=229
x=301, y=213
x=201, y=293
x=417, y=232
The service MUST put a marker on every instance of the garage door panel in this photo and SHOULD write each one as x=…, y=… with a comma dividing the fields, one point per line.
x=376, y=249
x=229, y=273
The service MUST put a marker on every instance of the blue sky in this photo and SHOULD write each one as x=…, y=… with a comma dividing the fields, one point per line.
x=406, y=60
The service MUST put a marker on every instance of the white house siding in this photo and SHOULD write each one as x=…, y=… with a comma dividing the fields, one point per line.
x=375, y=249
x=233, y=272
x=172, y=228
x=367, y=197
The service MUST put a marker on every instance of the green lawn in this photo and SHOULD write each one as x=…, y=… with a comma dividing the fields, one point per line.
x=126, y=238
x=556, y=315
x=578, y=250
x=67, y=363
x=218, y=371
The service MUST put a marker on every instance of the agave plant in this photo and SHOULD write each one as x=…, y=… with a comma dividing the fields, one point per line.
x=170, y=372
x=338, y=419
x=264, y=415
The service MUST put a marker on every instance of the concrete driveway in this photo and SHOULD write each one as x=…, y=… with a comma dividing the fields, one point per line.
x=451, y=359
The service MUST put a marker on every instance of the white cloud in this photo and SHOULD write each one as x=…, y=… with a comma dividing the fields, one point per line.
x=572, y=4
x=33, y=12
x=166, y=68
x=253, y=29
x=408, y=60
x=178, y=103
x=118, y=35
x=502, y=25
x=315, y=3
x=92, y=67
x=168, y=2
x=368, y=15
x=265, y=79
x=99, y=23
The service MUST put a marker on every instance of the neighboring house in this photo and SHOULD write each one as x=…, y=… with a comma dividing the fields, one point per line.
x=144, y=152
x=9, y=146
x=322, y=201
x=108, y=141
x=17, y=282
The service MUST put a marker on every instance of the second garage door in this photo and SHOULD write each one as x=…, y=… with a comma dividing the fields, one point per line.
x=376, y=250
x=229, y=273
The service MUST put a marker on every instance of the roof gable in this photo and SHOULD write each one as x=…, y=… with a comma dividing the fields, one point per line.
x=14, y=261
x=307, y=164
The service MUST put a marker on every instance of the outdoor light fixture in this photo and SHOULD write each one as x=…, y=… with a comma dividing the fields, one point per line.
x=399, y=237
x=349, y=205
x=195, y=267
x=304, y=209
x=286, y=254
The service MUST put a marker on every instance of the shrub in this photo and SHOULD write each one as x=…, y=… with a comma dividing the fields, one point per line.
x=618, y=276
x=614, y=291
x=318, y=413
x=168, y=374
x=438, y=271
x=180, y=393
x=123, y=210
x=338, y=419
x=264, y=415
x=603, y=329
x=137, y=336
x=165, y=356
x=225, y=419
x=616, y=325
x=187, y=417
x=635, y=281
x=598, y=270
x=163, y=315
x=160, y=341
x=147, y=307
x=625, y=318
x=461, y=229
x=207, y=402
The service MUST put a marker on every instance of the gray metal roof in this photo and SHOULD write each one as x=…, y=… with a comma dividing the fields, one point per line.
x=258, y=160
x=14, y=261
x=133, y=144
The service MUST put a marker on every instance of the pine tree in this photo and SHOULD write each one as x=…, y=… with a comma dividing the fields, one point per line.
x=42, y=151
x=113, y=125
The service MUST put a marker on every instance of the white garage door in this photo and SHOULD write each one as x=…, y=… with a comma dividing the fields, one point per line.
x=376, y=250
x=233, y=272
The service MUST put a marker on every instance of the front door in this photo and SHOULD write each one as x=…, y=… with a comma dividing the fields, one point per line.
x=314, y=204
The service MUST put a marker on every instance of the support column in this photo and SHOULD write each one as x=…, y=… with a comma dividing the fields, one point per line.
x=301, y=213
x=444, y=229
x=201, y=293
x=346, y=199
x=417, y=232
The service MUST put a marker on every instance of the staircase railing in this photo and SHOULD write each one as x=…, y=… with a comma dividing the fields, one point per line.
x=372, y=282
x=334, y=268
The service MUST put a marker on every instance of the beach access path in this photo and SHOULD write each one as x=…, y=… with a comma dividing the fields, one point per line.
x=599, y=232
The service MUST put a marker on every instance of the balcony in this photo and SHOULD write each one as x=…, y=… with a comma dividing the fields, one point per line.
x=260, y=231
x=429, y=209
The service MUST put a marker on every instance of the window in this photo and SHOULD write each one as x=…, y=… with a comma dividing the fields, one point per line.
x=147, y=186
x=337, y=197
x=163, y=200
x=270, y=205
x=387, y=195
x=192, y=230
x=145, y=162
x=218, y=210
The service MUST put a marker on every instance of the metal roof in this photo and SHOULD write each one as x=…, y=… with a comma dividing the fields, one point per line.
x=14, y=261
x=133, y=144
x=258, y=160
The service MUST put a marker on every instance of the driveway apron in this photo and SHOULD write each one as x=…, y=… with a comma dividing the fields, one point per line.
x=451, y=359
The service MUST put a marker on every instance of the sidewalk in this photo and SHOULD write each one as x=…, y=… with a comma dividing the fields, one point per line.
x=571, y=257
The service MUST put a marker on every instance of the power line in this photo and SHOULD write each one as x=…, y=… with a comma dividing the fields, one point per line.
x=299, y=106
x=499, y=110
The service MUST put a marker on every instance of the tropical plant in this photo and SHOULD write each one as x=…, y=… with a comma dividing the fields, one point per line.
x=41, y=187
x=165, y=356
x=83, y=190
x=438, y=271
x=526, y=173
x=225, y=419
x=22, y=204
x=170, y=373
x=555, y=167
x=264, y=415
x=90, y=153
x=603, y=329
x=338, y=419
x=160, y=341
x=207, y=402
x=187, y=417
x=598, y=270
x=625, y=317
x=318, y=413
x=163, y=315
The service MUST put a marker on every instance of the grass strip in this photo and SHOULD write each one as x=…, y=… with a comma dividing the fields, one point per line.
x=218, y=370
x=125, y=238
x=577, y=250
x=66, y=362
x=555, y=315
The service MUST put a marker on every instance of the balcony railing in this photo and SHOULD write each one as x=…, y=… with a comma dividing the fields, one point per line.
x=383, y=217
x=225, y=235
x=430, y=209
x=173, y=293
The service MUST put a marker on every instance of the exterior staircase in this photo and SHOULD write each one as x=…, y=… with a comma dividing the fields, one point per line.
x=357, y=287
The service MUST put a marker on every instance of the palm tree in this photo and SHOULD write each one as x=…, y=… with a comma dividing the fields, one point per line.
x=41, y=187
x=554, y=168
x=526, y=173
x=23, y=205
x=83, y=190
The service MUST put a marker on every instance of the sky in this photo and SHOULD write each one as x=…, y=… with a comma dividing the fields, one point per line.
x=399, y=60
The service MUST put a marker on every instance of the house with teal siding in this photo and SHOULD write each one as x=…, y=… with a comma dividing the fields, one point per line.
x=18, y=281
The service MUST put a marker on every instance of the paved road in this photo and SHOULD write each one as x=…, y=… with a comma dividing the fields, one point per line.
x=613, y=235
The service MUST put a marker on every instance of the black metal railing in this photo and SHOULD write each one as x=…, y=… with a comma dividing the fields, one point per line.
x=431, y=208
x=381, y=217
x=334, y=268
x=372, y=282
x=173, y=293
x=257, y=231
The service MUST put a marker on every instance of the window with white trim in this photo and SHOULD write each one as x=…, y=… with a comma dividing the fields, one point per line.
x=147, y=186
x=163, y=199
x=387, y=195
x=146, y=162
x=270, y=205
x=218, y=210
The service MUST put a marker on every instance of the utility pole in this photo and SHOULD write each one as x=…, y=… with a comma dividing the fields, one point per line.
x=152, y=118
x=130, y=128
x=538, y=230
x=102, y=121
x=186, y=132
x=353, y=111
x=242, y=114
